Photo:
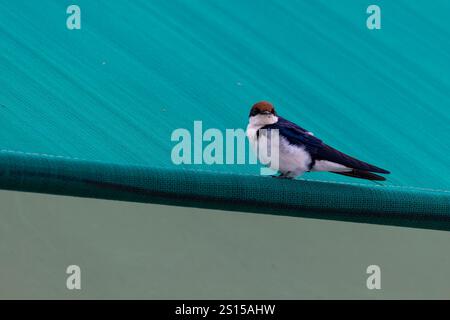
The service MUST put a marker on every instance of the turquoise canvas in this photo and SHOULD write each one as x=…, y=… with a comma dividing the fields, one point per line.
x=91, y=111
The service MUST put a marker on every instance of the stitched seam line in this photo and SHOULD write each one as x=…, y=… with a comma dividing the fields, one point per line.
x=227, y=172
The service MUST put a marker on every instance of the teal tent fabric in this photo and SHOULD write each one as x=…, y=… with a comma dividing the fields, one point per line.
x=90, y=112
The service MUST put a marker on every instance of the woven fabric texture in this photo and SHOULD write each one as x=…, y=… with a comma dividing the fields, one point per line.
x=91, y=112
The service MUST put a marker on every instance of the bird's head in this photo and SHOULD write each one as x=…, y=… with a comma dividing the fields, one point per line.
x=263, y=113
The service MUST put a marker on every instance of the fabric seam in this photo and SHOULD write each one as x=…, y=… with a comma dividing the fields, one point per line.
x=227, y=172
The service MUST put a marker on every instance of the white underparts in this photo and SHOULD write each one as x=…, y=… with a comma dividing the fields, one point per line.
x=293, y=160
x=324, y=165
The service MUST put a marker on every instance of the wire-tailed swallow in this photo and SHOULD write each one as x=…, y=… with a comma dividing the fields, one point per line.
x=300, y=151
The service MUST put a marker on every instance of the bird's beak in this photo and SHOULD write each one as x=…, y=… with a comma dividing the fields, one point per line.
x=265, y=112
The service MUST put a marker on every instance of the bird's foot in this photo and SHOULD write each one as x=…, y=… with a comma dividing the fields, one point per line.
x=285, y=175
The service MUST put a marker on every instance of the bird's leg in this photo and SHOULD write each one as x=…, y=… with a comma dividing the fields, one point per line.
x=277, y=175
x=283, y=175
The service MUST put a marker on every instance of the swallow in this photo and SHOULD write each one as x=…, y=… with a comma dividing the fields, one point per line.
x=300, y=151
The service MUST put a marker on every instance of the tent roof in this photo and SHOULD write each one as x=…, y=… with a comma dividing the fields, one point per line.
x=102, y=102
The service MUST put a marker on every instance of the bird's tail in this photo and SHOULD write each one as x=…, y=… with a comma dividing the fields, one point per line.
x=361, y=174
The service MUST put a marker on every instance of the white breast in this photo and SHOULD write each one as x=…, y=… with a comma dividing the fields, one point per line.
x=292, y=158
x=252, y=136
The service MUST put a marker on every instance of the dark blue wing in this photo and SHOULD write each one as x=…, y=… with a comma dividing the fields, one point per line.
x=296, y=135
x=328, y=153
x=318, y=150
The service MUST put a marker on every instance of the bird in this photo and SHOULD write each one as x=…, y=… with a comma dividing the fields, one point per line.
x=300, y=150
